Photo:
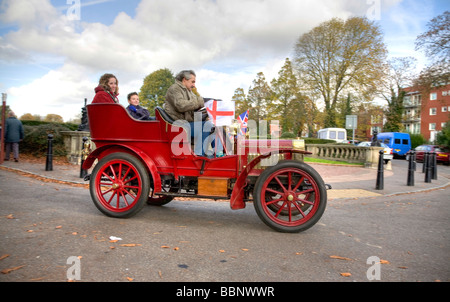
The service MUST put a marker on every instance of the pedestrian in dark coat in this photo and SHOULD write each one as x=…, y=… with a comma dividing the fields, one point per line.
x=14, y=134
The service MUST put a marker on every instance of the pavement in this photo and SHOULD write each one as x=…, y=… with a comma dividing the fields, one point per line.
x=346, y=181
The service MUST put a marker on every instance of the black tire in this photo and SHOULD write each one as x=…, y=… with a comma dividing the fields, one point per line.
x=290, y=197
x=159, y=200
x=119, y=185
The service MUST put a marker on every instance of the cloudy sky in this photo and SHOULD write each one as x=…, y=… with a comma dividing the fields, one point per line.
x=52, y=52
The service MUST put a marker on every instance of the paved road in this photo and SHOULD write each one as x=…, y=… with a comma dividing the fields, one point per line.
x=43, y=224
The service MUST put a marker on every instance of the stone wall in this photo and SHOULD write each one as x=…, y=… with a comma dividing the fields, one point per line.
x=349, y=153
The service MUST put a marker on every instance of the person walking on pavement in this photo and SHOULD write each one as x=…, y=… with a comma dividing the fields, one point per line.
x=14, y=134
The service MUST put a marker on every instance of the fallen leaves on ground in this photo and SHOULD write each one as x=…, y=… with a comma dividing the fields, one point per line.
x=130, y=244
x=8, y=270
x=340, y=258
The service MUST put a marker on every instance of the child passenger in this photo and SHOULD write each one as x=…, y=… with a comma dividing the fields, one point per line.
x=136, y=111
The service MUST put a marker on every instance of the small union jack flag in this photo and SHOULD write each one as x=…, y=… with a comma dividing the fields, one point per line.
x=243, y=119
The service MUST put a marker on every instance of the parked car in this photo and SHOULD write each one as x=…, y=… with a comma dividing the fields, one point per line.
x=387, y=152
x=442, y=153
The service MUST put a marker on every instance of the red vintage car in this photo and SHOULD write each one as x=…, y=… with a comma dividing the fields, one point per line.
x=151, y=162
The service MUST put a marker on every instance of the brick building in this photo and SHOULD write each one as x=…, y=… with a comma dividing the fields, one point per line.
x=426, y=113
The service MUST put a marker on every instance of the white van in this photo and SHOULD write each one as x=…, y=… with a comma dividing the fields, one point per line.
x=337, y=134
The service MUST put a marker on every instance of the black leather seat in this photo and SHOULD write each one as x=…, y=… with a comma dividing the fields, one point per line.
x=164, y=115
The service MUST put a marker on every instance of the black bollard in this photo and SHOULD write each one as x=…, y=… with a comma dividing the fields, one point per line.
x=411, y=169
x=380, y=180
x=434, y=166
x=428, y=167
x=83, y=172
x=425, y=162
x=49, y=160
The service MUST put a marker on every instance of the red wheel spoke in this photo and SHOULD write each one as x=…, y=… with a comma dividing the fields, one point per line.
x=306, y=191
x=289, y=180
x=273, y=191
x=299, y=183
x=118, y=200
x=124, y=198
x=281, y=208
x=130, y=180
x=305, y=201
x=281, y=185
x=106, y=175
x=274, y=201
x=299, y=209
x=111, y=198
x=126, y=175
x=113, y=172
x=107, y=191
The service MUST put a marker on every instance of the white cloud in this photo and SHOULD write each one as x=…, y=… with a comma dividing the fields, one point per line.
x=60, y=92
x=226, y=41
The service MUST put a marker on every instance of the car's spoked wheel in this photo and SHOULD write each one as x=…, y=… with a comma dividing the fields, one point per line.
x=290, y=196
x=119, y=185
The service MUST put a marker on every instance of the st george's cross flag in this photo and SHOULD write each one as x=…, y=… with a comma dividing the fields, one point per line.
x=221, y=113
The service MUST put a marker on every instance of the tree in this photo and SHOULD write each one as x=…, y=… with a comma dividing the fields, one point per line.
x=435, y=43
x=258, y=97
x=54, y=118
x=153, y=91
x=240, y=101
x=286, y=98
x=339, y=57
x=400, y=74
x=443, y=137
x=27, y=117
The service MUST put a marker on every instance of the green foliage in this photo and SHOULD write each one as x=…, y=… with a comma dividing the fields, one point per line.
x=70, y=126
x=286, y=99
x=288, y=135
x=443, y=137
x=394, y=113
x=417, y=140
x=313, y=140
x=258, y=98
x=153, y=91
x=36, y=139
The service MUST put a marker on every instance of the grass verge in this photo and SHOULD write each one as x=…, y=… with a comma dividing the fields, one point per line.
x=332, y=162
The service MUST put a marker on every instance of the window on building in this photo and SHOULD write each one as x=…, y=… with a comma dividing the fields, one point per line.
x=432, y=111
x=416, y=128
x=432, y=126
x=444, y=109
x=375, y=128
x=433, y=96
x=444, y=93
x=417, y=99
